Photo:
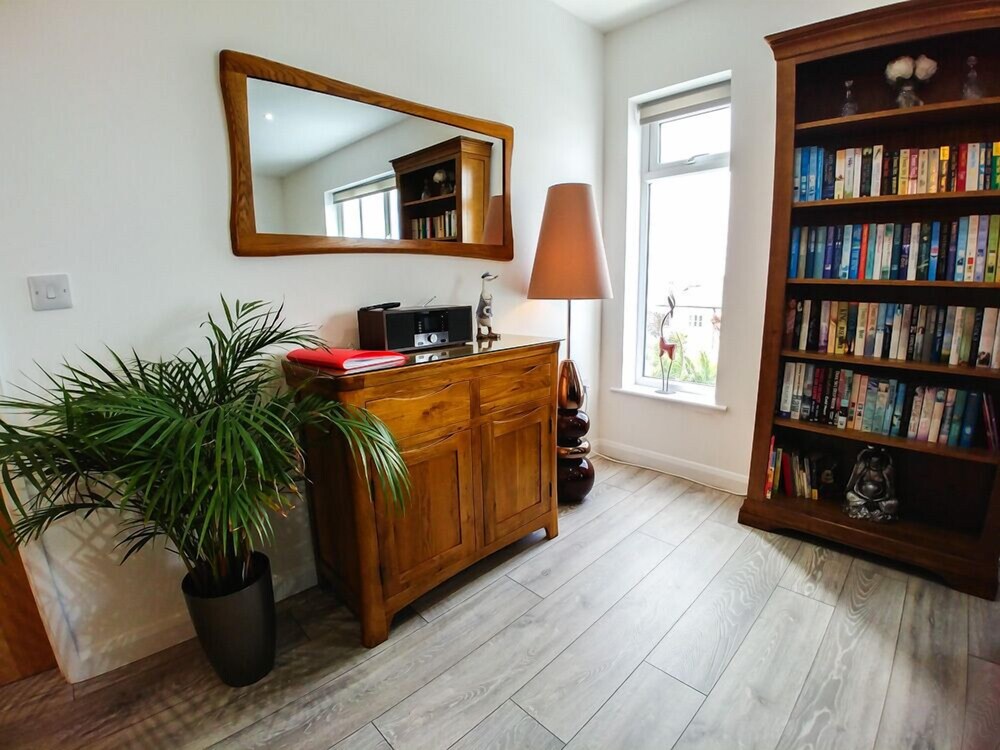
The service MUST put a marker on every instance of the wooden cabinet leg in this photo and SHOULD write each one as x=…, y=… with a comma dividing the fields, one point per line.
x=551, y=529
x=374, y=629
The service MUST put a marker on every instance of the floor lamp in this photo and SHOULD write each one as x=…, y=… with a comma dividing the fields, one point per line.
x=570, y=264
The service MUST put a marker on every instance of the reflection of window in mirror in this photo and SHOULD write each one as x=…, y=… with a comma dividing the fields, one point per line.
x=368, y=210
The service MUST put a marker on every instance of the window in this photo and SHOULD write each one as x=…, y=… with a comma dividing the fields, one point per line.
x=684, y=205
x=369, y=209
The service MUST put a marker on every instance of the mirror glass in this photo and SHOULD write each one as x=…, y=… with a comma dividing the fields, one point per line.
x=329, y=166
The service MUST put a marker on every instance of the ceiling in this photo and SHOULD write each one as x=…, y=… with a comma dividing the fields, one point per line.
x=291, y=127
x=610, y=14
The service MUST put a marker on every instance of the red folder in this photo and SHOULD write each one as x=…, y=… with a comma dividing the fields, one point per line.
x=346, y=359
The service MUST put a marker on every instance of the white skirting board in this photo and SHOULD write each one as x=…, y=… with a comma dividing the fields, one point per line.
x=710, y=476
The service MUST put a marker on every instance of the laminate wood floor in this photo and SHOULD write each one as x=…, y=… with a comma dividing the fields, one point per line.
x=654, y=620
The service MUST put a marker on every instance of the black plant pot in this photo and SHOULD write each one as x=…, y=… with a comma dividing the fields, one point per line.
x=237, y=631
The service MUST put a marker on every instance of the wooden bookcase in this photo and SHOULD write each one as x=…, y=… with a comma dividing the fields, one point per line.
x=467, y=162
x=949, y=497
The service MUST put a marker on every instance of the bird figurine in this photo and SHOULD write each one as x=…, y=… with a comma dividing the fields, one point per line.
x=484, y=312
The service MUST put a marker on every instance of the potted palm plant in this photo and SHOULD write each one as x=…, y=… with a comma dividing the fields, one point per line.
x=199, y=451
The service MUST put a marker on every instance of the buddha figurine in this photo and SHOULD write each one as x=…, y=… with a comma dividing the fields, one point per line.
x=871, y=490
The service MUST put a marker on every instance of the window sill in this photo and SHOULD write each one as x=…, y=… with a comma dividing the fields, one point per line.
x=687, y=399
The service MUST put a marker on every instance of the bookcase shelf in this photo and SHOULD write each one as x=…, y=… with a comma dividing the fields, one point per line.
x=979, y=455
x=964, y=371
x=961, y=111
x=897, y=283
x=432, y=199
x=949, y=496
x=952, y=198
x=907, y=541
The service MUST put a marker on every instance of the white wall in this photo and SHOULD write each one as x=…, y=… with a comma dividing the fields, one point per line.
x=696, y=39
x=115, y=170
x=269, y=204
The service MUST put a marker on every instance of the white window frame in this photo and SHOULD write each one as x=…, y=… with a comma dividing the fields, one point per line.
x=709, y=98
x=335, y=200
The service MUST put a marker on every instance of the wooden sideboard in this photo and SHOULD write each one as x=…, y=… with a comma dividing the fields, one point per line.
x=476, y=426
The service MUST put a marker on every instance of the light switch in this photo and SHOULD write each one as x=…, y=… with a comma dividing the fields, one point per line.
x=50, y=292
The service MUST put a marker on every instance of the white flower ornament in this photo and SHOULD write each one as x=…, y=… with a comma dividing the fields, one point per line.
x=924, y=68
x=901, y=68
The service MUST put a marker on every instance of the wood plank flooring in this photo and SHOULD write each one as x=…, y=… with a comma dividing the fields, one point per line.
x=654, y=620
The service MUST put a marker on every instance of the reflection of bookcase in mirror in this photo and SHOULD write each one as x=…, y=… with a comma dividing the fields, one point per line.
x=949, y=512
x=454, y=210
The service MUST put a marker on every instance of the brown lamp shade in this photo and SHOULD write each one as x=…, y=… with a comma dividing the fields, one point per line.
x=493, y=226
x=570, y=261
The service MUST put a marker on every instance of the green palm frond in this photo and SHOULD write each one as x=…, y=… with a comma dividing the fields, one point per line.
x=199, y=449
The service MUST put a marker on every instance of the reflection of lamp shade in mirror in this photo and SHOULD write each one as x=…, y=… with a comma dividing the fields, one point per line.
x=493, y=226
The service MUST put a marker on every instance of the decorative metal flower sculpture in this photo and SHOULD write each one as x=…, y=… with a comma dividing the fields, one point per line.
x=667, y=347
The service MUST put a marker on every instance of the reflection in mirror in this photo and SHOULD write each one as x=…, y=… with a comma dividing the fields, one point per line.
x=329, y=166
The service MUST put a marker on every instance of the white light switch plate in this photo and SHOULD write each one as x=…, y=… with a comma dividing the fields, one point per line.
x=50, y=292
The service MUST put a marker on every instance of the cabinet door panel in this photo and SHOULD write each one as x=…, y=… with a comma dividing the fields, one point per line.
x=517, y=470
x=437, y=528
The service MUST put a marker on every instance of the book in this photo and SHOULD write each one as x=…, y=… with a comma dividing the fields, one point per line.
x=881, y=402
x=972, y=167
x=865, y=178
x=842, y=314
x=860, y=330
x=946, y=417
x=963, y=161
x=923, y=169
x=916, y=409
x=982, y=242
x=955, y=428
x=935, y=251
x=787, y=384
x=829, y=174
x=859, y=412
x=926, y=410
x=847, y=242
x=896, y=422
x=962, y=242
x=849, y=174
x=993, y=245
x=956, y=336
x=871, y=398
x=346, y=359
x=944, y=155
x=936, y=414
x=856, y=191
x=933, y=169
x=914, y=171
x=995, y=356
x=970, y=420
x=840, y=172
x=876, y=179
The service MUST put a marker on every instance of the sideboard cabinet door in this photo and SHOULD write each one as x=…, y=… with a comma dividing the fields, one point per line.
x=437, y=529
x=517, y=470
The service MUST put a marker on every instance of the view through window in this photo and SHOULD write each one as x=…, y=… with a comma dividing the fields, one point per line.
x=685, y=213
x=369, y=210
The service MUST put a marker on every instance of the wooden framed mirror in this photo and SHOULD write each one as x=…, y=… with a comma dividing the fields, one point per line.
x=322, y=166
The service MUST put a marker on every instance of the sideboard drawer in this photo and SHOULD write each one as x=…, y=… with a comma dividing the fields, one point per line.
x=517, y=382
x=422, y=408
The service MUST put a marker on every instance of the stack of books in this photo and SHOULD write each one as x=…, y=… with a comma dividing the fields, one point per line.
x=938, y=334
x=964, y=249
x=885, y=406
x=431, y=227
x=827, y=174
x=796, y=474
